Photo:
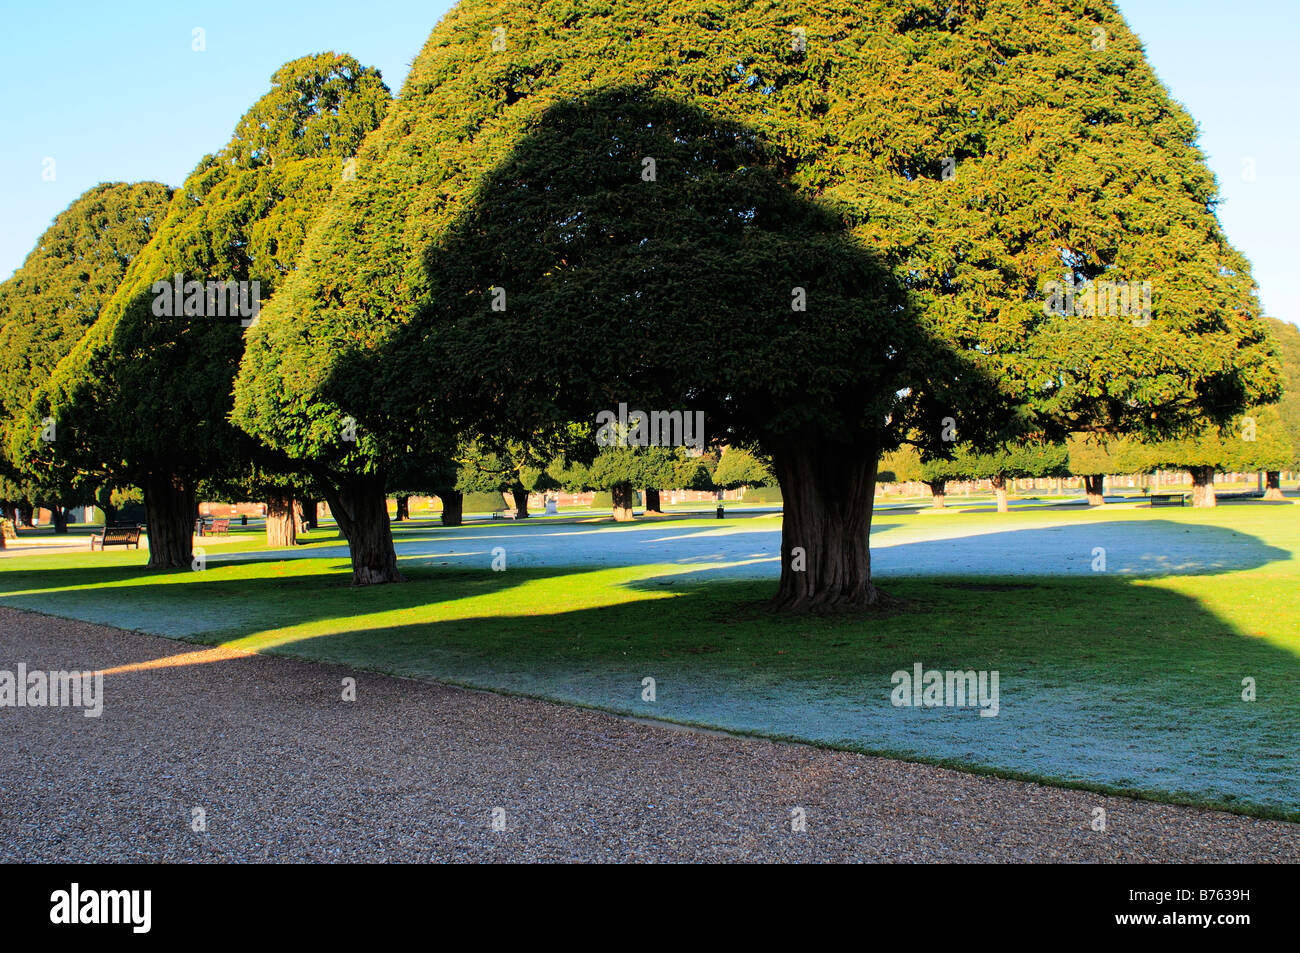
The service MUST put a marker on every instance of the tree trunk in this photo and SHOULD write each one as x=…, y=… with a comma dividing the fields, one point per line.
x=1273, y=485
x=59, y=517
x=520, y=496
x=453, y=502
x=1203, y=487
x=26, y=514
x=938, y=496
x=1000, y=492
x=280, y=528
x=828, y=491
x=623, y=502
x=1094, y=486
x=360, y=506
x=403, y=509
x=310, y=513
x=652, y=502
x=169, y=507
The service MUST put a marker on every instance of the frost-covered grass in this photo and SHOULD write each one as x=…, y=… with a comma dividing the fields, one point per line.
x=1120, y=681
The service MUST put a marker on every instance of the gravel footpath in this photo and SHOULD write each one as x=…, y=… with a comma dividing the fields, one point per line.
x=285, y=770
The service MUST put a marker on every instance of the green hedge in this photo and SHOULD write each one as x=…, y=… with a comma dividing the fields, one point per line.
x=604, y=500
x=483, y=503
x=762, y=494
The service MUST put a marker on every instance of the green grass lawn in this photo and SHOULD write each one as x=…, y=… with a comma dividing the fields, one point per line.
x=1120, y=684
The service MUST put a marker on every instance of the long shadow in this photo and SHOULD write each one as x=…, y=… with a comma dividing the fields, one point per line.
x=1104, y=685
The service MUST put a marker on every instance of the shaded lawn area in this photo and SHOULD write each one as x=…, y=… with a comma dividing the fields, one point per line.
x=1123, y=684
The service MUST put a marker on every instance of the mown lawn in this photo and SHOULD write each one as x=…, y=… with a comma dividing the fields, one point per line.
x=1123, y=684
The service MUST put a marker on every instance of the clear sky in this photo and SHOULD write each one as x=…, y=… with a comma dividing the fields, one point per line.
x=116, y=92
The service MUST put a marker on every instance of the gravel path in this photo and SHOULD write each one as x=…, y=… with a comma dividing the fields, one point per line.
x=285, y=770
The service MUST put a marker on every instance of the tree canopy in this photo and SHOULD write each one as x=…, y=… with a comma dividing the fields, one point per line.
x=149, y=387
x=828, y=228
x=51, y=301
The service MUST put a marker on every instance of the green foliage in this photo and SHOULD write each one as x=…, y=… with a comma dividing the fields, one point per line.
x=1287, y=339
x=52, y=300
x=1257, y=440
x=1096, y=454
x=740, y=467
x=521, y=168
x=151, y=393
x=1028, y=458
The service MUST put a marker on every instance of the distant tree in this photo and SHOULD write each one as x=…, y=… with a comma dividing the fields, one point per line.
x=1093, y=457
x=45, y=309
x=1287, y=338
x=1257, y=440
x=149, y=385
x=741, y=466
x=1024, y=458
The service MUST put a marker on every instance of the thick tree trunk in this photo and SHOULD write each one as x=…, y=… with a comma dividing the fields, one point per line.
x=59, y=517
x=403, y=509
x=360, y=506
x=1203, y=487
x=1094, y=486
x=520, y=497
x=169, y=507
x=622, y=495
x=652, y=502
x=453, y=504
x=1000, y=492
x=310, y=508
x=828, y=492
x=280, y=528
x=26, y=514
x=1273, y=485
x=938, y=495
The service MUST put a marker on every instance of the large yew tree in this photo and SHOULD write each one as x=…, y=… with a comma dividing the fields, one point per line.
x=45, y=309
x=151, y=392
x=830, y=227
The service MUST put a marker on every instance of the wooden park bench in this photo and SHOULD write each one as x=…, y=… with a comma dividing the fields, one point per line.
x=219, y=528
x=1168, y=499
x=116, y=536
x=7, y=528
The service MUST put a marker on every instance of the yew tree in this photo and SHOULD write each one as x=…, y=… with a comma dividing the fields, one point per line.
x=828, y=227
x=45, y=308
x=147, y=390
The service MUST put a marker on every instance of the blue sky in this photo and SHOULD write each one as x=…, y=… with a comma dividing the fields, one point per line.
x=115, y=92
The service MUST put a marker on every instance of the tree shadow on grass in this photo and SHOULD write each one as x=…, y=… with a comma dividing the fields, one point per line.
x=1105, y=682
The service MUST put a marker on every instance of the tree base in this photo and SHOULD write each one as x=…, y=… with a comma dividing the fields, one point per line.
x=623, y=502
x=361, y=508
x=170, y=509
x=520, y=497
x=280, y=528
x=829, y=494
x=1093, y=487
x=1203, y=495
x=453, y=503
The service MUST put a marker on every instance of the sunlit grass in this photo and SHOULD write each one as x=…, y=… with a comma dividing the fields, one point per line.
x=1121, y=684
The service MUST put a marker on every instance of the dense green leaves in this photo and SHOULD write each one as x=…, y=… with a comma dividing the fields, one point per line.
x=515, y=160
x=146, y=392
x=50, y=302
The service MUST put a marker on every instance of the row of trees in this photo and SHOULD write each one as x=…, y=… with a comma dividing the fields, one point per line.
x=569, y=208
